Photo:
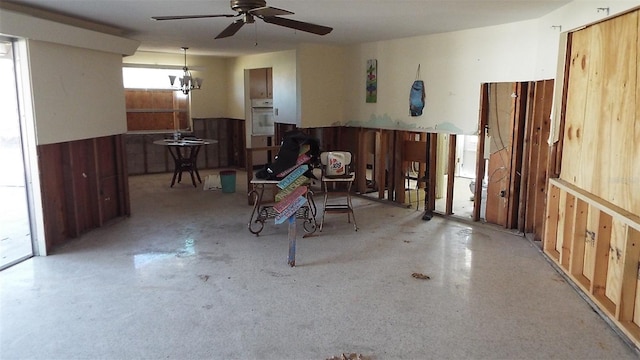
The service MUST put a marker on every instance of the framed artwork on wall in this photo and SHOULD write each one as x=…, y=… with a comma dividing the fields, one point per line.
x=372, y=81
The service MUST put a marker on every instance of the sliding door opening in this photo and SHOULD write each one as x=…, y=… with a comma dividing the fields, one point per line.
x=15, y=234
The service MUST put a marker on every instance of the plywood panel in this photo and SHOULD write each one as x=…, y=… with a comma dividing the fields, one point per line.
x=106, y=156
x=590, y=161
x=137, y=99
x=496, y=209
x=161, y=99
x=146, y=121
x=635, y=144
x=84, y=185
x=635, y=235
x=576, y=104
x=54, y=206
x=602, y=136
x=620, y=108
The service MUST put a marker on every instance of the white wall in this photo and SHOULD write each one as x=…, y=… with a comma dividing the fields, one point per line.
x=77, y=92
x=321, y=76
x=211, y=100
x=453, y=65
x=25, y=26
x=574, y=15
x=75, y=78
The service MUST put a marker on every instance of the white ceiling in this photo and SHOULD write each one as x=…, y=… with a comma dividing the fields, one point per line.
x=354, y=21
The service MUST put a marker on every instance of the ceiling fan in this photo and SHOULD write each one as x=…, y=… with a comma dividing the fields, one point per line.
x=248, y=10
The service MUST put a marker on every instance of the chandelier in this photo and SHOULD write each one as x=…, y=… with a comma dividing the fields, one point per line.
x=187, y=82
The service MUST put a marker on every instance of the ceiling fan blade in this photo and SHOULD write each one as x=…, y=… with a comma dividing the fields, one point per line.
x=182, y=17
x=269, y=11
x=298, y=25
x=231, y=29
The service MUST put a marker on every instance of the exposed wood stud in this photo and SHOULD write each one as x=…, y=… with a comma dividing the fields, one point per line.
x=451, y=173
x=480, y=160
x=551, y=229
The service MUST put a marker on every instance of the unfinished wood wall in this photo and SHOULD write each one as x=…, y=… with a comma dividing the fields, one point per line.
x=501, y=114
x=517, y=116
x=536, y=160
x=592, y=228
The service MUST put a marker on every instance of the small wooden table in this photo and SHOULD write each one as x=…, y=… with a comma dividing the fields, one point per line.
x=185, y=155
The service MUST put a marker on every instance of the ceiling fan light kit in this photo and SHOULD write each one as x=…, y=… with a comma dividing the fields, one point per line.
x=249, y=10
x=187, y=81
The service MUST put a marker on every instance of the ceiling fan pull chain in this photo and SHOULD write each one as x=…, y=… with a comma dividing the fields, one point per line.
x=255, y=27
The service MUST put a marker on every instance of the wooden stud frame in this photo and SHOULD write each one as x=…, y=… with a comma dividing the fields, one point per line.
x=597, y=244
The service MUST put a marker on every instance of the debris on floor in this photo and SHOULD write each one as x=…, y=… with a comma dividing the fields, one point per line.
x=352, y=356
x=420, y=276
x=212, y=182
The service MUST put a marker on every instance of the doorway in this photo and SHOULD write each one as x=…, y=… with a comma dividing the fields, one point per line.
x=513, y=153
x=455, y=175
x=15, y=236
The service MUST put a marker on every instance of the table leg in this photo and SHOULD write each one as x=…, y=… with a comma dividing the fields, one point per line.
x=194, y=161
x=257, y=193
x=176, y=165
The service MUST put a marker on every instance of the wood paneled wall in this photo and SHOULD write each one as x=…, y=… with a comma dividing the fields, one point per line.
x=143, y=157
x=84, y=185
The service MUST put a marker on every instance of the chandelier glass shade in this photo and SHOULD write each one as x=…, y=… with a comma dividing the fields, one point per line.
x=187, y=81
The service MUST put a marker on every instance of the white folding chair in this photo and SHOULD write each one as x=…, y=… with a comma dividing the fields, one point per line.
x=336, y=176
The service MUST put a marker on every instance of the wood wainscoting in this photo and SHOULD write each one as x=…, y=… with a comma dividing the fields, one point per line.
x=84, y=185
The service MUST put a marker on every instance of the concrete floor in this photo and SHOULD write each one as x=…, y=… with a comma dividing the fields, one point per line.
x=183, y=278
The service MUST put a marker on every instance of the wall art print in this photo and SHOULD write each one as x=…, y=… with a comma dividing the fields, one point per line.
x=372, y=81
